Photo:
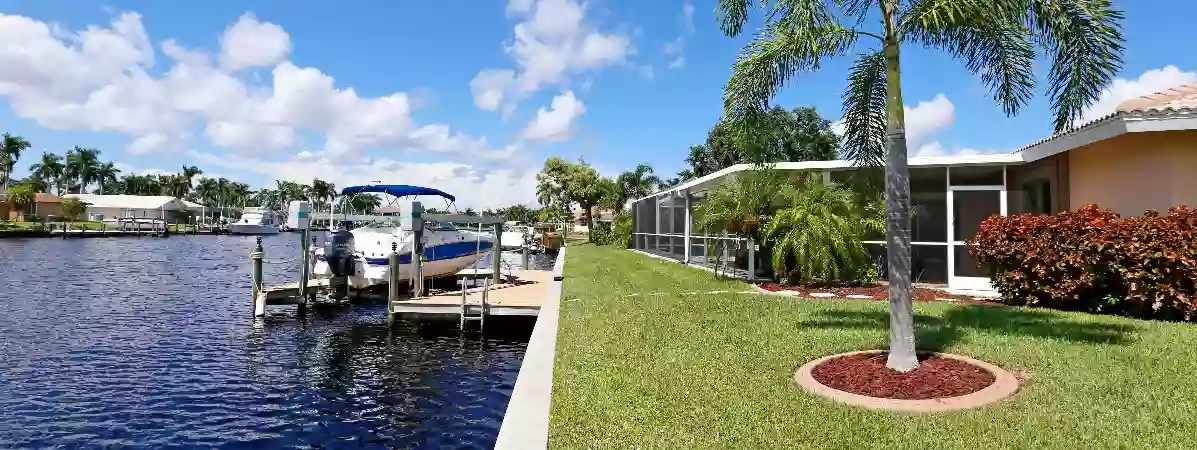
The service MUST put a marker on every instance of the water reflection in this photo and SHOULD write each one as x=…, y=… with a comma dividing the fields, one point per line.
x=146, y=343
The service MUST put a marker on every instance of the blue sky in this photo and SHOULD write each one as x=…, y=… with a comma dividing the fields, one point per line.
x=466, y=96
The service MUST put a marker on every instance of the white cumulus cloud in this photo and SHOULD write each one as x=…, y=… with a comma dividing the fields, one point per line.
x=556, y=123
x=100, y=79
x=552, y=41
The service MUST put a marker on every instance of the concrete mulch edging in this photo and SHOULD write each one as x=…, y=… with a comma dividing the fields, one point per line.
x=1004, y=385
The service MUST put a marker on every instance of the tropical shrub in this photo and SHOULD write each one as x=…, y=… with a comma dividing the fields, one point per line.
x=72, y=208
x=600, y=233
x=742, y=206
x=621, y=232
x=817, y=236
x=1093, y=260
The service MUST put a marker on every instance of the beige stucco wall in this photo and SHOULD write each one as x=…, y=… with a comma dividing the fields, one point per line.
x=1135, y=172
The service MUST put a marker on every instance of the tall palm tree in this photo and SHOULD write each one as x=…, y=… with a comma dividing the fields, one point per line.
x=322, y=193
x=636, y=183
x=81, y=166
x=49, y=170
x=995, y=39
x=11, y=147
x=188, y=174
x=106, y=176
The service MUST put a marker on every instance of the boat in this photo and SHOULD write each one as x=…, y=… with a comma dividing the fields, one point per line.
x=256, y=221
x=134, y=224
x=362, y=255
x=515, y=236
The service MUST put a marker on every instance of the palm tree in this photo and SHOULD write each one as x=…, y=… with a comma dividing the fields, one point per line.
x=363, y=202
x=106, y=176
x=994, y=38
x=21, y=196
x=11, y=147
x=322, y=193
x=743, y=204
x=636, y=183
x=49, y=170
x=818, y=235
x=81, y=166
x=189, y=173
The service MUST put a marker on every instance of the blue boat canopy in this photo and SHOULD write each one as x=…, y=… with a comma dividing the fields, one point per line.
x=397, y=190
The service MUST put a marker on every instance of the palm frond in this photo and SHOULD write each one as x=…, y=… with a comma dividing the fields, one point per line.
x=987, y=36
x=779, y=52
x=817, y=237
x=1084, y=39
x=732, y=14
x=864, y=111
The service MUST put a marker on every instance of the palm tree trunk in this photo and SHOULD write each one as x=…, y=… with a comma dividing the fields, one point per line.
x=902, y=356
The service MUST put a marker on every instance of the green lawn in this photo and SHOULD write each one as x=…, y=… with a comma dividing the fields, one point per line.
x=686, y=370
x=78, y=225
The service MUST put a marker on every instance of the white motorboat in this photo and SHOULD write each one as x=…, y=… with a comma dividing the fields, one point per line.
x=134, y=224
x=362, y=255
x=256, y=221
x=515, y=236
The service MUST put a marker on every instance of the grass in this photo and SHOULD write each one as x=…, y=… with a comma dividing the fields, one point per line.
x=76, y=225
x=679, y=369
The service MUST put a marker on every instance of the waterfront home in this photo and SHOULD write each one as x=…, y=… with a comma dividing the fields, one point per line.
x=1143, y=156
x=44, y=205
x=100, y=207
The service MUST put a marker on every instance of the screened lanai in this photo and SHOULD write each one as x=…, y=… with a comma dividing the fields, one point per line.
x=950, y=197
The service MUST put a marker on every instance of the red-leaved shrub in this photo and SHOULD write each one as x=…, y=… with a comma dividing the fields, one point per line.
x=1093, y=260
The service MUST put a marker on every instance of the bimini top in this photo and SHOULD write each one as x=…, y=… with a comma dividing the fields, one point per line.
x=397, y=190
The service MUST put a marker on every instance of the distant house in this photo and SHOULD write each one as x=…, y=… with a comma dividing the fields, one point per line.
x=100, y=207
x=388, y=211
x=44, y=205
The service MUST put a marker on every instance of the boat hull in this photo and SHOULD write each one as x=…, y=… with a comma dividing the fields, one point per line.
x=248, y=229
x=445, y=254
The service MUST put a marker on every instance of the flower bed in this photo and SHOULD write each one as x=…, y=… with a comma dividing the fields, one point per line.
x=936, y=377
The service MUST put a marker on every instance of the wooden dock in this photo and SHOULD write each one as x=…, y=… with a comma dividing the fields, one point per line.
x=521, y=296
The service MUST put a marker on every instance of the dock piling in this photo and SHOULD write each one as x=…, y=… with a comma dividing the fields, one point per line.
x=525, y=254
x=305, y=269
x=496, y=255
x=393, y=283
x=259, y=297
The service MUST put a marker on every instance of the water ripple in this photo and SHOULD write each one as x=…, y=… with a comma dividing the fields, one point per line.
x=147, y=343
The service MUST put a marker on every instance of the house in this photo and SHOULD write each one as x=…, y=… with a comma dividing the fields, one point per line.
x=100, y=207
x=44, y=205
x=1141, y=157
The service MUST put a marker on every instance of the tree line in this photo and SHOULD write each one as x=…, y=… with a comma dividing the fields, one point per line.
x=776, y=134
x=81, y=171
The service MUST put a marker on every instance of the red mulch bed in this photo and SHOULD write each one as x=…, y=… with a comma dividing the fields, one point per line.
x=875, y=292
x=866, y=374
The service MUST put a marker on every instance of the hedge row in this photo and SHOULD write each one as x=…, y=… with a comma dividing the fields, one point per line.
x=1093, y=260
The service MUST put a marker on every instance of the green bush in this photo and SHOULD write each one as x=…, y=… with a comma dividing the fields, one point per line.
x=621, y=232
x=600, y=233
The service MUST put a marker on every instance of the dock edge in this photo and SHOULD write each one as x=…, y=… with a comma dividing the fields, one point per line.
x=526, y=421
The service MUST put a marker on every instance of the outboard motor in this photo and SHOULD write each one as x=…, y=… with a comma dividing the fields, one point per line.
x=338, y=253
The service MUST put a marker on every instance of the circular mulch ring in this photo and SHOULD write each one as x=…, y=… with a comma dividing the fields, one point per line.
x=942, y=382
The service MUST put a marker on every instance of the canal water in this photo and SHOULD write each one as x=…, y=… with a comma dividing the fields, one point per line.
x=150, y=343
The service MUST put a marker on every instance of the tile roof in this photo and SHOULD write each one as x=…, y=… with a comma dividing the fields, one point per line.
x=1180, y=99
x=47, y=198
